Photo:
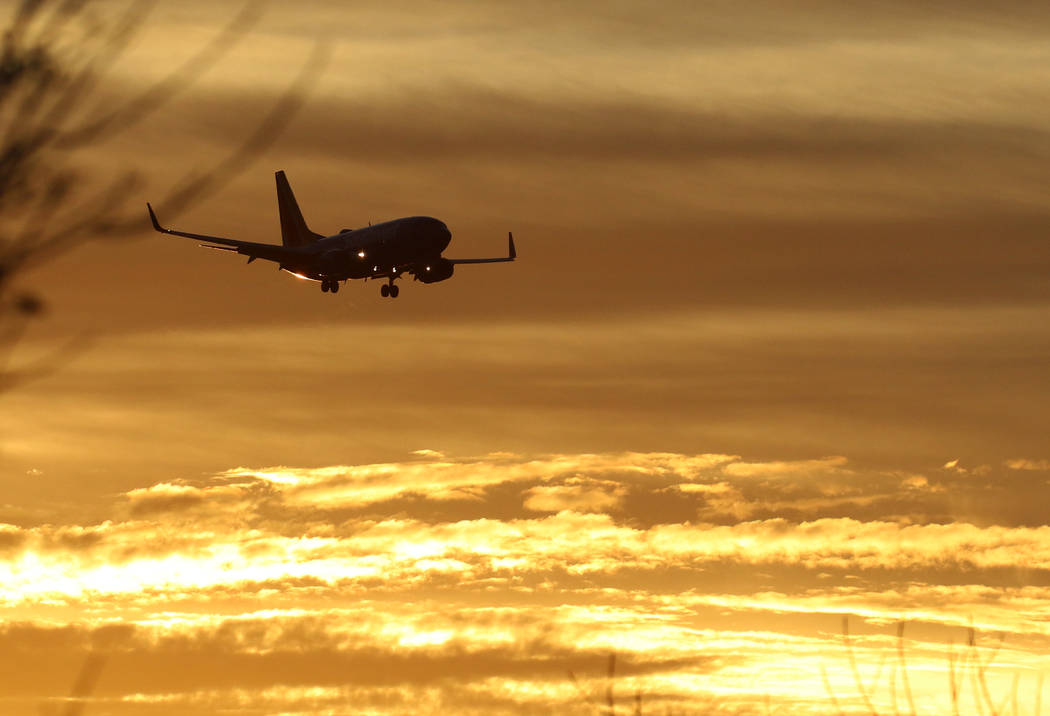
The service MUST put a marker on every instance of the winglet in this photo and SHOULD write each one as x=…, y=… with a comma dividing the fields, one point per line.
x=153, y=218
x=512, y=253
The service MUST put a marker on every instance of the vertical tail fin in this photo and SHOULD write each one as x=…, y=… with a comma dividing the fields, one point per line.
x=294, y=231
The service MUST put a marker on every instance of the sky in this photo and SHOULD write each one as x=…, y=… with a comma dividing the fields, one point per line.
x=770, y=369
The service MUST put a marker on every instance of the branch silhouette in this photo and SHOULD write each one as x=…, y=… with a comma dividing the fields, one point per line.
x=54, y=57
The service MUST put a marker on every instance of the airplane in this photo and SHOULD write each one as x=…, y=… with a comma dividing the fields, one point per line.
x=411, y=245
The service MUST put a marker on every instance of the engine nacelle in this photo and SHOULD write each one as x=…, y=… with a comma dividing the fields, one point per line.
x=436, y=270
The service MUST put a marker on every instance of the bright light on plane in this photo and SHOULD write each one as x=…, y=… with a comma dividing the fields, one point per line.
x=361, y=254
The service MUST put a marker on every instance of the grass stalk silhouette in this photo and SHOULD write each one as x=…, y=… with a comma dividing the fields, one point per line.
x=967, y=668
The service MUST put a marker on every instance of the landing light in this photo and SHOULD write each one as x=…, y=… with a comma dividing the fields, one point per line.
x=361, y=254
x=428, y=268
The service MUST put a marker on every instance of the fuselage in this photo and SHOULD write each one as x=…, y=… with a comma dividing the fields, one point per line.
x=383, y=250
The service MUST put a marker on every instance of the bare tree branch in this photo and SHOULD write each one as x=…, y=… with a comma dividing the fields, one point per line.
x=53, y=57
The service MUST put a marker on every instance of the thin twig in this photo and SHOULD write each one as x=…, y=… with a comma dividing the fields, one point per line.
x=163, y=91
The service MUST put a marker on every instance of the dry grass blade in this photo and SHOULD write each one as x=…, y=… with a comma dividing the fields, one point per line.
x=974, y=672
x=831, y=692
x=980, y=670
x=952, y=681
x=1013, y=693
x=1039, y=696
x=904, y=669
x=893, y=690
x=853, y=667
x=583, y=694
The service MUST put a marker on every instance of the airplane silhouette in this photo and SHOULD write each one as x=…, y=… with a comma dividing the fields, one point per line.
x=411, y=245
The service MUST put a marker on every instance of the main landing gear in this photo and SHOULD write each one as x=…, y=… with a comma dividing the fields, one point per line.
x=329, y=284
x=388, y=289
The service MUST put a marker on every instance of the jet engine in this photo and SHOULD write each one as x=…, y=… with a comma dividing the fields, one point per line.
x=436, y=270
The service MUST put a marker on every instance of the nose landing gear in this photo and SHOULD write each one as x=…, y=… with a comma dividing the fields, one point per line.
x=329, y=285
x=388, y=290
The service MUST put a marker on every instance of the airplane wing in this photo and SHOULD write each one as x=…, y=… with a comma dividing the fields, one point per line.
x=251, y=249
x=511, y=255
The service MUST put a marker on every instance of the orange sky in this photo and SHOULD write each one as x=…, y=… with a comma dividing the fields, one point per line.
x=774, y=353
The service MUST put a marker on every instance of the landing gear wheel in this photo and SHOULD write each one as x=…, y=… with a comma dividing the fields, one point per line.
x=333, y=286
x=384, y=290
x=324, y=285
x=394, y=290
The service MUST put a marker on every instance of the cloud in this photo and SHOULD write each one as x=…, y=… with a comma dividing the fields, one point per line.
x=11, y=538
x=458, y=479
x=328, y=524
x=428, y=453
x=720, y=499
x=1024, y=464
x=164, y=497
x=585, y=496
x=778, y=469
x=920, y=483
x=224, y=499
x=238, y=537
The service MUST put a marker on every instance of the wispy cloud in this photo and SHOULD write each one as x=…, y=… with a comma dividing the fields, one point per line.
x=1025, y=464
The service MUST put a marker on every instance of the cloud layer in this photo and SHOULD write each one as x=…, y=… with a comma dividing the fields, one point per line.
x=494, y=576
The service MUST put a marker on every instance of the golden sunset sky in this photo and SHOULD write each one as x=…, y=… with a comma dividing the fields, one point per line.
x=775, y=353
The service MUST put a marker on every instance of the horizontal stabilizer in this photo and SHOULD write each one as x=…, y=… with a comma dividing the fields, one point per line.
x=512, y=254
